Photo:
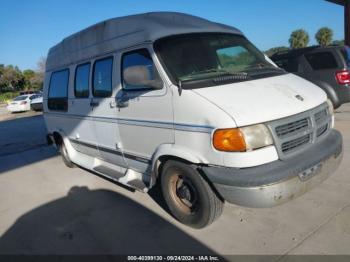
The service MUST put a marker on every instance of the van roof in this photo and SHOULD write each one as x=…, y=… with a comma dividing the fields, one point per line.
x=122, y=32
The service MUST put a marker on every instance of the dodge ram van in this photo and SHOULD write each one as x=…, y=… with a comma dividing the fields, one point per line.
x=192, y=105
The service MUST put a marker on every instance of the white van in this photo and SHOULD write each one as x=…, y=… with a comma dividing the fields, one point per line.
x=178, y=100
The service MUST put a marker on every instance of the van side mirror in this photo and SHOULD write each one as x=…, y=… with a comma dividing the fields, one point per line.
x=141, y=76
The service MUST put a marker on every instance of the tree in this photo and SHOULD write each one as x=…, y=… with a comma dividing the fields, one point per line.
x=28, y=75
x=338, y=42
x=11, y=79
x=299, y=39
x=324, y=36
x=274, y=50
x=38, y=80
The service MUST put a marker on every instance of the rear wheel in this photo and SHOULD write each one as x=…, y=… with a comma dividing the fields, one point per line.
x=64, y=153
x=188, y=196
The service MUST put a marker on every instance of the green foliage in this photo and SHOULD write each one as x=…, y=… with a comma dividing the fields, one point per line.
x=274, y=50
x=4, y=97
x=299, y=39
x=338, y=42
x=324, y=36
x=12, y=79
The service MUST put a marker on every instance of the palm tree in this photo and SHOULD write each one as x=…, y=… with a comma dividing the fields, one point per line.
x=324, y=36
x=299, y=38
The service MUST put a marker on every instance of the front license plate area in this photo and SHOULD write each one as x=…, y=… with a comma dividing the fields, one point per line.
x=310, y=172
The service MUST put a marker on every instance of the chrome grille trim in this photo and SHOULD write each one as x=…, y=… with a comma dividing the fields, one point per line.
x=295, y=133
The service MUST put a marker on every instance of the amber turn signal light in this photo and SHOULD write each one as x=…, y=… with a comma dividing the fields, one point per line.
x=231, y=140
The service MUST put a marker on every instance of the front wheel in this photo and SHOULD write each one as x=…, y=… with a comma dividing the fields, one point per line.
x=65, y=156
x=188, y=196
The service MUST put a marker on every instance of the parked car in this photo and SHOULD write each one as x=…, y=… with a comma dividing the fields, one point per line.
x=27, y=92
x=327, y=67
x=189, y=104
x=36, y=103
x=20, y=103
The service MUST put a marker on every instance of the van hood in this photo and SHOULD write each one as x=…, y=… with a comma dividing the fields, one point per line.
x=266, y=99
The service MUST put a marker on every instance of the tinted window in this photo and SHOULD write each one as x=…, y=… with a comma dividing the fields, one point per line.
x=139, y=58
x=288, y=64
x=321, y=60
x=58, y=90
x=201, y=59
x=102, y=78
x=234, y=58
x=346, y=55
x=81, y=85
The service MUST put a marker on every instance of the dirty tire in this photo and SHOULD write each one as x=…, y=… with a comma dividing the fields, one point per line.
x=188, y=196
x=65, y=156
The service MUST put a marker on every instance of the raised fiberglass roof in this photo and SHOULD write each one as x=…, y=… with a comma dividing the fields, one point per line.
x=122, y=32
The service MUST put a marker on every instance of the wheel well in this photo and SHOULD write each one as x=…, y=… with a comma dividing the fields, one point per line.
x=58, y=138
x=163, y=159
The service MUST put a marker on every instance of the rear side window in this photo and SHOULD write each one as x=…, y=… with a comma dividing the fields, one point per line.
x=102, y=77
x=321, y=60
x=81, y=83
x=346, y=54
x=58, y=91
x=288, y=64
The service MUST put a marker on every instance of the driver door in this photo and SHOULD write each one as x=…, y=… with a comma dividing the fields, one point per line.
x=145, y=114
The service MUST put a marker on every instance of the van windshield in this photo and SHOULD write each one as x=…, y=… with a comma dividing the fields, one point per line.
x=208, y=59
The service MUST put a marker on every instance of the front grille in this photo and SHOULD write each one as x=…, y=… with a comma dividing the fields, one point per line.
x=295, y=143
x=321, y=116
x=292, y=127
x=321, y=130
x=295, y=133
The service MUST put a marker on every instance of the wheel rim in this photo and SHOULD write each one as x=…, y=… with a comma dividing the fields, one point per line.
x=183, y=193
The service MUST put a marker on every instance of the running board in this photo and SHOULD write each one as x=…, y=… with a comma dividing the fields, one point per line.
x=108, y=171
x=130, y=178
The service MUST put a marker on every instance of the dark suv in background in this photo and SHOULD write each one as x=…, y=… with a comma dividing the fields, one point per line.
x=327, y=67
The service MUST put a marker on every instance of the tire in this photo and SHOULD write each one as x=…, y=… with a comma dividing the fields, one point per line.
x=65, y=157
x=189, y=197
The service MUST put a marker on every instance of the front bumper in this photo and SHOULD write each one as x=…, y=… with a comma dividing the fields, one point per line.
x=280, y=181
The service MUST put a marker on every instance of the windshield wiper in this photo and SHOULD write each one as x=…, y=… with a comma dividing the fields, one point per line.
x=212, y=70
x=263, y=69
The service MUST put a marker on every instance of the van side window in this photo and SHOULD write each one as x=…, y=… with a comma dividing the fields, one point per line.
x=58, y=91
x=321, y=60
x=81, y=83
x=139, y=57
x=102, y=77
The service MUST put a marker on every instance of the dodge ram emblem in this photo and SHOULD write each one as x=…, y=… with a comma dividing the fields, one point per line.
x=299, y=97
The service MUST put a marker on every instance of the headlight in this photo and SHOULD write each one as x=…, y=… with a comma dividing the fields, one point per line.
x=242, y=139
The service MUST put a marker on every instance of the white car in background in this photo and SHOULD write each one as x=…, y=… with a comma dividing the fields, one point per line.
x=20, y=103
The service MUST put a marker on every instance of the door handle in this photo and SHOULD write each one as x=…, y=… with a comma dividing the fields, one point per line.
x=93, y=104
x=121, y=103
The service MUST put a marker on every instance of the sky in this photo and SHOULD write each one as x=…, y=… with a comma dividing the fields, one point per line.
x=28, y=28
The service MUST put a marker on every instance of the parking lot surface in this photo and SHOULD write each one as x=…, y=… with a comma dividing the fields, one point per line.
x=47, y=208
